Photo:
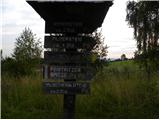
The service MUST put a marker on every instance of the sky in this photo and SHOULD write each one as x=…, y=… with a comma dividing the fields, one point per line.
x=17, y=14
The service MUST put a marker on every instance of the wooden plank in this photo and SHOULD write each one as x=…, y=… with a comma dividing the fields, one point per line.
x=56, y=72
x=67, y=57
x=69, y=42
x=63, y=27
x=66, y=87
x=66, y=69
x=70, y=68
x=67, y=38
x=76, y=39
x=79, y=76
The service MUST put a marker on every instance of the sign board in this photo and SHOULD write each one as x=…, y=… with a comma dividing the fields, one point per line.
x=56, y=72
x=63, y=27
x=66, y=69
x=74, y=42
x=67, y=57
x=66, y=87
x=67, y=38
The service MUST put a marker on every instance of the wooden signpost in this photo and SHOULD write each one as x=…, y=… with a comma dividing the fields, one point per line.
x=70, y=25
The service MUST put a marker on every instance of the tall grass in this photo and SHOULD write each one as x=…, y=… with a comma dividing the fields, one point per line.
x=120, y=90
x=23, y=98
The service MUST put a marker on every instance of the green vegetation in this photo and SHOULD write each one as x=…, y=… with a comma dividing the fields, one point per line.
x=120, y=90
x=26, y=55
x=143, y=17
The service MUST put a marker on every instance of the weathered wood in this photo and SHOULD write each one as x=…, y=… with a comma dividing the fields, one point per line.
x=70, y=68
x=67, y=57
x=69, y=103
x=79, y=76
x=71, y=16
x=78, y=42
x=66, y=87
x=69, y=106
x=67, y=38
x=63, y=27
x=66, y=69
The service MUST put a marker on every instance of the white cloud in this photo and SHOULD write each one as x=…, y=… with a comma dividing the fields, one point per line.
x=17, y=15
x=117, y=32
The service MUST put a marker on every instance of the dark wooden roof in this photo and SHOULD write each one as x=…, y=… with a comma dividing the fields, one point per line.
x=73, y=17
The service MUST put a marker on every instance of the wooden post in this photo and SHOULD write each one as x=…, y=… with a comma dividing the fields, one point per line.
x=69, y=100
x=69, y=105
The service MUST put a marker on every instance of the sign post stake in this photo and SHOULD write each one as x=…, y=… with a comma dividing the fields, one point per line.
x=69, y=104
x=69, y=99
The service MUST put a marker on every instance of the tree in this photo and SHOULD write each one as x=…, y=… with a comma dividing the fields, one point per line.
x=27, y=51
x=1, y=55
x=123, y=57
x=28, y=47
x=99, y=48
x=143, y=16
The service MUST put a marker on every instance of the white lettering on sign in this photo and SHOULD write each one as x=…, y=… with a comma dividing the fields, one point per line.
x=58, y=91
x=63, y=45
x=63, y=75
x=66, y=84
x=68, y=24
x=67, y=72
x=64, y=30
x=51, y=57
x=66, y=87
x=70, y=69
x=66, y=39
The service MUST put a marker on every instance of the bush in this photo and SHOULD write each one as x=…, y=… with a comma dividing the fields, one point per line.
x=15, y=68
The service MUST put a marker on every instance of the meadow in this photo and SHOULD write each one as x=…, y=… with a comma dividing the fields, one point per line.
x=119, y=90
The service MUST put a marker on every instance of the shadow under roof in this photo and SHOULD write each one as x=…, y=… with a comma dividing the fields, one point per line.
x=71, y=16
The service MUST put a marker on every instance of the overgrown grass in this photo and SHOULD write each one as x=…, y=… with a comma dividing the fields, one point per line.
x=24, y=98
x=120, y=90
